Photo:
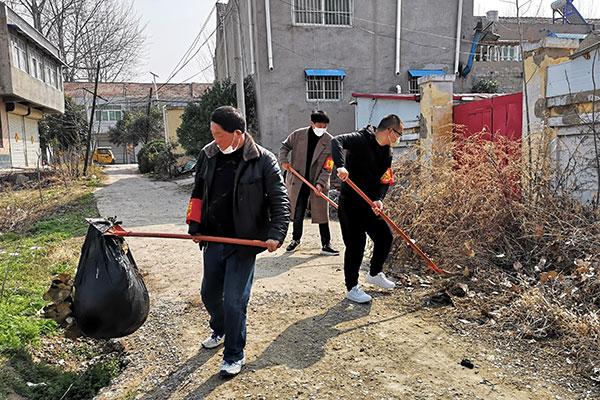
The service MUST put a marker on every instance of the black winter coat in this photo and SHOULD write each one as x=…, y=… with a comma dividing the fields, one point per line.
x=261, y=207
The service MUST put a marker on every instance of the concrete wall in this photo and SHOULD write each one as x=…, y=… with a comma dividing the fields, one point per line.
x=36, y=92
x=4, y=142
x=573, y=106
x=369, y=111
x=436, y=118
x=173, y=116
x=5, y=61
x=506, y=73
x=537, y=58
x=366, y=51
x=18, y=85
x=561, y=102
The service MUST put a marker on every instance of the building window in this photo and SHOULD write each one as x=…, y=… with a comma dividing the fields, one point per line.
x=324, y=88
x=498, y=53
x=109, y=114
x=59, y=79
x=50, y=73
x=415, y=74
x=19, y=53
x=36, y=66
x=413, y=85
x=323, y=12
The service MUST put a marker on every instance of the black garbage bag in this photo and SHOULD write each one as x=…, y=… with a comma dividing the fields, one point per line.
x=111, y=299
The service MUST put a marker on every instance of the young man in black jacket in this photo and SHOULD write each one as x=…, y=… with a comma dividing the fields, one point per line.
x=238, y=193
x=368, y=163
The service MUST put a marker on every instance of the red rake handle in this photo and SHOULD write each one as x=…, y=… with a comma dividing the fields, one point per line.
x=314, y=189
x=430, y=264
x=119, y=231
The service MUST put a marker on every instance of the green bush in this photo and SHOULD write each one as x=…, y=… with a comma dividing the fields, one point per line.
x=148, y=155
x=165, y=164
x=486, y=86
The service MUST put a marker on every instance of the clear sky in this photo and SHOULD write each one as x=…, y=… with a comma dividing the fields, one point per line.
x=173, y=25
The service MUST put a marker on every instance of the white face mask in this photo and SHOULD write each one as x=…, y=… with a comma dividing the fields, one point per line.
x=319, y=131
x=393, y=141
x=230, y=149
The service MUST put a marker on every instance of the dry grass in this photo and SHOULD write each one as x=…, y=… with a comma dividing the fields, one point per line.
x=21, y=207
x=525, y=245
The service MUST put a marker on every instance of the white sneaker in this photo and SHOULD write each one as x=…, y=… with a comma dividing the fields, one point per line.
x=229, y=369
x=213, y=341
x=380, y=280
x=357, y=295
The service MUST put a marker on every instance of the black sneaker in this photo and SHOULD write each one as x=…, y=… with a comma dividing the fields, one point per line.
x=327, y=250
x=292, y=246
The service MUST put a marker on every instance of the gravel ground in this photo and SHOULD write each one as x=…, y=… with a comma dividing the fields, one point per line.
x=304, y=340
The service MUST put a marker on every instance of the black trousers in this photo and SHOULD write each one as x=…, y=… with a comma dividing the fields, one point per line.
x=301, y=205
x=357, y=221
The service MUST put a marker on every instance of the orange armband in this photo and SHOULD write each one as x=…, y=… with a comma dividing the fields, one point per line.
x=194, y=211
x=387, y=178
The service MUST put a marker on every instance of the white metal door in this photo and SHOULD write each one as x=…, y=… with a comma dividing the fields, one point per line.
x=33, y=141
x=17, y=138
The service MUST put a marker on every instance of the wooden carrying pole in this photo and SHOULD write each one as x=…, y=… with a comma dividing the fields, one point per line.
x=117, y=230
x=430, y=264
x=314, y=189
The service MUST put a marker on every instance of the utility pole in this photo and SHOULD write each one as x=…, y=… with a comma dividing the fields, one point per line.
x=89, y=136
x=164, y=114
x=239, y=65
x=148, y=115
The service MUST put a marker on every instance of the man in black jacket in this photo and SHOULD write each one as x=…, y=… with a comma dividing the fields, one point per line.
x=238, y=193
x=368, y=163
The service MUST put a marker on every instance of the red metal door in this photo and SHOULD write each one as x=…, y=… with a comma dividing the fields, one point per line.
x=500, y=116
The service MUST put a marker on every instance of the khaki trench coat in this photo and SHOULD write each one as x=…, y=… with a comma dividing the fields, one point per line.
x=296, y=143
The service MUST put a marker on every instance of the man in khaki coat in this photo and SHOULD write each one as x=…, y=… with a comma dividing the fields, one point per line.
x=310, y=149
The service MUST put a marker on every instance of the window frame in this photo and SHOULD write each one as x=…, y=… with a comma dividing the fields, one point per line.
x=413, y=85
x=19, y=53
x=339, y=91
x=102, y=112
x=322, y=13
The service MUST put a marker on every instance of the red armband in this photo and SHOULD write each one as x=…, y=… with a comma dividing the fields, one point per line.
x=194, y=211
x=328, y=164
x=387, y=178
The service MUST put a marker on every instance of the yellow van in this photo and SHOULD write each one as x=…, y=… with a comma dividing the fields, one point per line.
x=103, y=155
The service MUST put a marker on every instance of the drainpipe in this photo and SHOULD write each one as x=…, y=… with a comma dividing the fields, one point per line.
x=398, y=30
x=225, y=46
x=458, y=34
x=269, y=44
x=251, y=36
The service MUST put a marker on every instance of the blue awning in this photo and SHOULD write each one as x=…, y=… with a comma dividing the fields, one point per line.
x=577, y=36
x=325, y=72
x=417, y=73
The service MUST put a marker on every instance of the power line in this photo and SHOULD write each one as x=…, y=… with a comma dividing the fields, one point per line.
x=198, y=73
x=198, y=50
x=196, y=39
x=180, y=65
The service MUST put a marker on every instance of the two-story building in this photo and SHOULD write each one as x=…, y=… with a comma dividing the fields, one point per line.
x=496, y=46
x=114, y=98
x=313, y=54
x=30, y=85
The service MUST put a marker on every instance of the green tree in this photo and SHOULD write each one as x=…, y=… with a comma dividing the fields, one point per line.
x=137, y=127
x=119, y=134
x=64, y=132
x=194, y=131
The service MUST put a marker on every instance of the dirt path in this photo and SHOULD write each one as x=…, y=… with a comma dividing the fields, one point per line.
x=304, y=340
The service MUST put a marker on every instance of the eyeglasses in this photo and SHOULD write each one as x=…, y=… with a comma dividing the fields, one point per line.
x=398, y=133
